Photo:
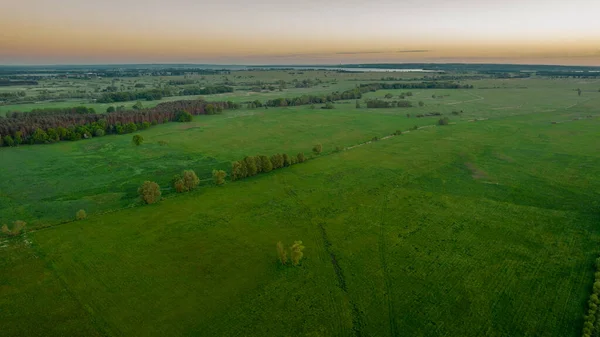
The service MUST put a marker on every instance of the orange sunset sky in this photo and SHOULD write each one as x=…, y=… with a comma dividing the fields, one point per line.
x=299, y=32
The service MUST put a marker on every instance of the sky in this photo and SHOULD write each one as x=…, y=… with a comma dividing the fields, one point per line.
x=299, y=32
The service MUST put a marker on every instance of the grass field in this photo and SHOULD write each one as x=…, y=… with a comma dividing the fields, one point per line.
x=479, y=228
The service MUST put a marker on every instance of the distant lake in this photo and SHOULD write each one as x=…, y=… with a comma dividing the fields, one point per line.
x=375, y=70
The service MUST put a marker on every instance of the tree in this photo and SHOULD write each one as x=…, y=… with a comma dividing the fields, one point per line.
x=421, y=103
x=110, y=109
x=219, y=176
x=296, y=252
x=178, y=184
x=138, y=106
x=388, y=96
x=301, y=157
x=286, y=160
x=190, y=180
x=184, y=116
x=357, y=104
x=236, y=170
x=578, y=92
x=444, y=121
x=137, y=140
x=8, y=140
x=277, y=161
x=80, y=215
x=18, y=138
x=328, y=106
x=149, y=192
x=318, y=149
x=251, y=166
x=281, y=253
x=210, y=109
x=265, y=164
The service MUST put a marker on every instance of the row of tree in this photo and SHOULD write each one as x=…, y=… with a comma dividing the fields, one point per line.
x=52, y=125
x=590, y=323
x=251, y=166
x=157, y=94
x=379, y=103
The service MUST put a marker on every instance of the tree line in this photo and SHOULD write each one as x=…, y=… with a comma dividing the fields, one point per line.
x=53, y=125
x=590, y=320
x=251, y=166
x=157, y=94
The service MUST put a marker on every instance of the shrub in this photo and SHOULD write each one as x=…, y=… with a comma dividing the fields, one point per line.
x=149, y=192
x=80, y=215
x=219, y=176
x=137, y=140
x=416, y=127
x=388, y=96
x=162, y=142
x=338, y=149
x=357, y=104
x=17, y=228
x=301, y=158
x=237, y=170
x=374, y=139
x=98, y=133
x=421, y=103
x=177, y=183
x=281, y=253
x=110, y=109
x=184, y=116
x=318, y=149
x=296, y=252
x=9, y=141
x=398, y=132
x=190, y=180
x=444, y=121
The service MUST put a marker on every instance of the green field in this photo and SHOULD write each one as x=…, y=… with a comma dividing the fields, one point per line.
x=485, y=227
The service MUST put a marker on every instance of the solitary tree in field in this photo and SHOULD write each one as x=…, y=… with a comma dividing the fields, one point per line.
x=138, y=140
x=318, y=149
x=296, y=252
x=421, y=103
x=149, y=192
x=281, y=253
x=80, y=215
x=578, y=92
x=219, y=176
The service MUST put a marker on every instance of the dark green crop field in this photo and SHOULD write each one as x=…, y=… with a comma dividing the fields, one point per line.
x=488, y=226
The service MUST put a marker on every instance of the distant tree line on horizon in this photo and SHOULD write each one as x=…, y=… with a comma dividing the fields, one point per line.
x=157, y=94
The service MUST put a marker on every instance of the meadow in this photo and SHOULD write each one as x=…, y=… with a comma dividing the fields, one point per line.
x=484, y=227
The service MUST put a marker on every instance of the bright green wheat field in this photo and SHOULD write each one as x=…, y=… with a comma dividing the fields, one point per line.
x=478, y=228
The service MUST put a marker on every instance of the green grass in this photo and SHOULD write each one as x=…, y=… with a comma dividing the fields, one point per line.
x=484, y=228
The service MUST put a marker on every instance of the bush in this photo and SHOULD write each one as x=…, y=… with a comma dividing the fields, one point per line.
x=421, y=103
x=301, y=158
x=137, y=140
x=184, y=116
x=416, y=127
x=80, y=215
x=219, y=176
x=398, y=132
x=149, y=192
x=162, y=142
x=190, y=180
x=17, y=228
x=374, y=139
x=444, y=121
x=98, y=133
x=110, y=109
x=318, y=149
x=338, y=149
x=251, y=166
